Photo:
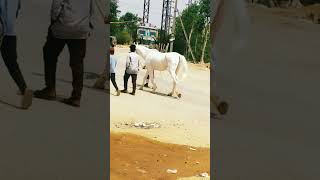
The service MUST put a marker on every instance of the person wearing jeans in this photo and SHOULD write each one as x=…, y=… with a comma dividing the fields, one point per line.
x=132, y=69
x=9, y=10
x=70, y=26
x=113, y=65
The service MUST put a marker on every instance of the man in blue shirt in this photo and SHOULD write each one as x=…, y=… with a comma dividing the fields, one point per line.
x=9, y=10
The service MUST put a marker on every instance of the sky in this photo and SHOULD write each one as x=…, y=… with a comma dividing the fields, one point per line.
x=136, y=7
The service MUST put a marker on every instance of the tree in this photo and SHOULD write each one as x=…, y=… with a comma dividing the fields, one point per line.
x=113, y=16
x=123, y=37
x=193, y=32
x=131, y=27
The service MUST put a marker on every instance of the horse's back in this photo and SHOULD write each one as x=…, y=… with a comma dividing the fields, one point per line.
x=157, y=61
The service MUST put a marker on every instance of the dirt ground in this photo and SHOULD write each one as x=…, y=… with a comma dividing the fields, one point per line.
x=183, y=121
x=137, y=158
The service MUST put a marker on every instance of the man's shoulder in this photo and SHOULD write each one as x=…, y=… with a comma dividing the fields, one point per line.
x=134, y=54
x=113, y=57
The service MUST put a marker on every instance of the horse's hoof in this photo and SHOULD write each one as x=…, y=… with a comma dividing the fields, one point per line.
x=170, y=94
x=179, y=95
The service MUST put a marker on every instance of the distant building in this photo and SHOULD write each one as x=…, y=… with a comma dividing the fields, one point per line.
x=147, y=34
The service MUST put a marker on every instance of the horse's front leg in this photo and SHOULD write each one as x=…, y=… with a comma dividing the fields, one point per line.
x=144, y=80
x=154, y=86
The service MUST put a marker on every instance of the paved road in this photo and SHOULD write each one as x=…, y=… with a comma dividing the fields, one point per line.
x=272, y=131
x=183, y=121
x=52, y=141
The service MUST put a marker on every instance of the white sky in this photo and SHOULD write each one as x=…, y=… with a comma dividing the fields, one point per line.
x=136, y=7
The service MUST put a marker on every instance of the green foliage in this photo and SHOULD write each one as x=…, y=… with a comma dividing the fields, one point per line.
x=196, y=17
x=113, y=16
x=124, y=32
x=123, y=37
x=131, y=27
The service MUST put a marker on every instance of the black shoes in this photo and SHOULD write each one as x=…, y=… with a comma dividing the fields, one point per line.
x=46, y=93
x=75, y=102
x=124, y=91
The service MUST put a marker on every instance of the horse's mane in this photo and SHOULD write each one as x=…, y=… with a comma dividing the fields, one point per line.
x=145, y=49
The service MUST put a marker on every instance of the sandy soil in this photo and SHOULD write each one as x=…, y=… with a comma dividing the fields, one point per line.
x=183, y=121
x=138, y=158
x=272, y=128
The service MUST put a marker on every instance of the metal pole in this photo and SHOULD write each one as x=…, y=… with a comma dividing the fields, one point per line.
x=173, y=25
x=146, y=10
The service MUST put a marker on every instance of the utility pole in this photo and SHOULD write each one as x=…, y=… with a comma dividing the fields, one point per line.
x=169, y=9
x=146, y=10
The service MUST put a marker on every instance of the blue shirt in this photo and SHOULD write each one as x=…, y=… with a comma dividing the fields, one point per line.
x=9, y=10
x=113, y=64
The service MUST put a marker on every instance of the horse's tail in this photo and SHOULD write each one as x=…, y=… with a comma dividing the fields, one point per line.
x=182, y=68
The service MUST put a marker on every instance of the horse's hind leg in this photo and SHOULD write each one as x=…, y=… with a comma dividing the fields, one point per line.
x=175, y=81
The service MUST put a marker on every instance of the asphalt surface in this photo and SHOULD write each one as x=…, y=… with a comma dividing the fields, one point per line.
x=52, y=141
x=272, y=130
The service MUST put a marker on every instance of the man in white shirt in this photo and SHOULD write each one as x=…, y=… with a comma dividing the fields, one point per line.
x=132, y=69
x=71, y=25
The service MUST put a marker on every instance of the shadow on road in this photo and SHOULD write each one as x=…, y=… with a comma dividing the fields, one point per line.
x=158, y=93
x=88, y=75
x=10, y=105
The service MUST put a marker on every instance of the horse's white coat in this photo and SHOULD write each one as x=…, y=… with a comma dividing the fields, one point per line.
x=155, y=60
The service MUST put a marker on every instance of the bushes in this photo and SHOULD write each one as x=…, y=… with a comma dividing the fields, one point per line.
x=123, y=37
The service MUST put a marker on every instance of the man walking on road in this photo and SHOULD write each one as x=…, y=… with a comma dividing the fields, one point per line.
x=70, y=25
x=112, y=75
x=132, y=69
x=9, y=10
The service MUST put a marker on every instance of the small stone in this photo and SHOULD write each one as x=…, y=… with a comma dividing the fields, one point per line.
x=142, y=171
x=206, y=175
x=172, y=171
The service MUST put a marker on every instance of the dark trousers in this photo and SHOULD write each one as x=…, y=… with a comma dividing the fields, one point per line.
x=134, y=81
x=112, y=76
x=9, y=55
x=51, y=52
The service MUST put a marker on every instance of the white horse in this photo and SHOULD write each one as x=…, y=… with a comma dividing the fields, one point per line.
x=175, y=63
